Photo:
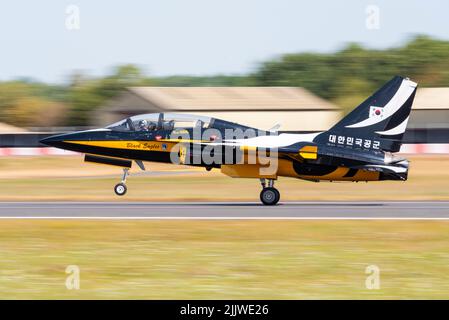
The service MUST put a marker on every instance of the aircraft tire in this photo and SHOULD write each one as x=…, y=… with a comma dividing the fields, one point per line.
x=270, y=196
x=120, y=189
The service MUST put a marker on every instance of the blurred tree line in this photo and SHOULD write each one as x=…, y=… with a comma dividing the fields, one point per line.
x=345, y=77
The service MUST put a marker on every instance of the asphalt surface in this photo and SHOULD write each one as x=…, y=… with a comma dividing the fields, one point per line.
x=225, y=210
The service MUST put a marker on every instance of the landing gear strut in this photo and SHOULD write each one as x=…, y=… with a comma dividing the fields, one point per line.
x=120, y=188
x=269, y=194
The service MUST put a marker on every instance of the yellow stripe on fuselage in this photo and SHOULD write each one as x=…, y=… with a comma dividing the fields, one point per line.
x=136, y=145
x=128, y=145
x=309, y=152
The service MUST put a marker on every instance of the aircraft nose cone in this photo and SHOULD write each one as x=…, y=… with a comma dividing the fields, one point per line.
x=52, y=140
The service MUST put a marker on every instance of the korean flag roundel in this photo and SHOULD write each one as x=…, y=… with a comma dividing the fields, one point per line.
x=377, y=112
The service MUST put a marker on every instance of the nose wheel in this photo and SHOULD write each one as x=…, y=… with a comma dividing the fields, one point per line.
x=120, y=188
x=269, y=194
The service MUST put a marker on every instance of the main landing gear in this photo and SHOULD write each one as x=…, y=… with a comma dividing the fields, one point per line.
x=269, y=194
x=120, y=188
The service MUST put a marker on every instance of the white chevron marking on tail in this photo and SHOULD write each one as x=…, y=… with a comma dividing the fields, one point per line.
x=396, y=130
x=405, y=90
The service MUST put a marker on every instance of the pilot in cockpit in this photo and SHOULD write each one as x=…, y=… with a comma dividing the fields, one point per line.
x=144, y=125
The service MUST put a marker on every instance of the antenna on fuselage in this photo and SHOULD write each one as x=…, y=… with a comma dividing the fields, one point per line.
x=275, y=128
x=159, y=121
x=140, y=164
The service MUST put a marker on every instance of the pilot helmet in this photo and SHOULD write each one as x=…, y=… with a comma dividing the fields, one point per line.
x=143, y=124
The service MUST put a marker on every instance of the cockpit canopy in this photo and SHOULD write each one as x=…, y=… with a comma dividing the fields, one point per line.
x=161, y=121
x=170, y=121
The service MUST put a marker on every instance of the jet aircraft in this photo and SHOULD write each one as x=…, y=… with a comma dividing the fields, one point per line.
x=360, y=147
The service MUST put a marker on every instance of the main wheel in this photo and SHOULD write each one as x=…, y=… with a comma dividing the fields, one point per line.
x=269, y=196
x=120, y=189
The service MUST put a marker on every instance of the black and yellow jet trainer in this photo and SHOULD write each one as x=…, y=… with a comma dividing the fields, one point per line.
x=358, y=148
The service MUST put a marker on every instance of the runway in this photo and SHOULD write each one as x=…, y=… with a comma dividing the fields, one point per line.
x=413, y=210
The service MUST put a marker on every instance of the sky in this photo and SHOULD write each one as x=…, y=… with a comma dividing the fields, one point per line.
x=48, y=40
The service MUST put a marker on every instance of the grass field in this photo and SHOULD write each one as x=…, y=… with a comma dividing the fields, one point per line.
x=217, y=259
x=224, y=259
x=68, y=178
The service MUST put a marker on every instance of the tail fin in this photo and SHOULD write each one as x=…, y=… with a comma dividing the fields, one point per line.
x=381, y=118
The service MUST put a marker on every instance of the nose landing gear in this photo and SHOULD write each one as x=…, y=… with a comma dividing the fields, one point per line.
x=120, y=188
x=269, y=195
